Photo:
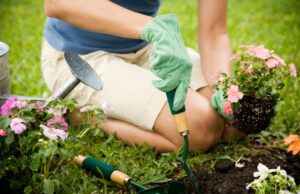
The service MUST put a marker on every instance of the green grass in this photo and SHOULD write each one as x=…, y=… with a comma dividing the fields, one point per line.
x=274, y=23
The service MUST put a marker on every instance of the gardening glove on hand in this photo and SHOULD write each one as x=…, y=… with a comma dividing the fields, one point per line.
x=217, y=102
x=169, y=60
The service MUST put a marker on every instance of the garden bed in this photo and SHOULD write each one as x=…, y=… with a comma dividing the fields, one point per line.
x=227, y=178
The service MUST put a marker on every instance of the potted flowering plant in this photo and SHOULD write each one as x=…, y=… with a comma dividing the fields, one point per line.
x=249, y=95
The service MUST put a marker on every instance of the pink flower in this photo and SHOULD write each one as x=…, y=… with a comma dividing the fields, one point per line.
x=227, y=108
x=293, y=70
x=58, y=122
x=249, y=71
x=53, y=133
x=260, y=52
x=39, y=106
x=234, y=94
x=3, y=133
x=56, y=112
x=17, y=125
x=271, y=63
x=19, y=104
x=280, y=60
x=6, y=107
x=234, y=56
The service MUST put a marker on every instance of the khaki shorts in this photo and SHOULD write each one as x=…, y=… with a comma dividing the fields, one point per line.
x=126, y=78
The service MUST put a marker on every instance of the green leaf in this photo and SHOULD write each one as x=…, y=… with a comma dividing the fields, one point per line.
x=48, y=186
x=10, y=138
x=4, y=122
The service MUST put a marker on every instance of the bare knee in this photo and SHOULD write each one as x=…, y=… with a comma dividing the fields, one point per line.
x=206, y=127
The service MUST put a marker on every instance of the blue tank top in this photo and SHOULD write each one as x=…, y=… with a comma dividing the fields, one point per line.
x=67, y=38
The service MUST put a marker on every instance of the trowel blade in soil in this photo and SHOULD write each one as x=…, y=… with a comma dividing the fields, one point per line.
x=83, y=71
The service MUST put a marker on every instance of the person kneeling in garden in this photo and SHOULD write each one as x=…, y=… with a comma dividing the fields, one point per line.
x=129, y=47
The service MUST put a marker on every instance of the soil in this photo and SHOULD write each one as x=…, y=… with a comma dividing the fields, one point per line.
x=228, y=179
x=254, y=115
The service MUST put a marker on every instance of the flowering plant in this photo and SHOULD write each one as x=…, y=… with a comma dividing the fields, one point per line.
x=37, y=145
x=258, y=75
x=273, y=181
x=18, y=116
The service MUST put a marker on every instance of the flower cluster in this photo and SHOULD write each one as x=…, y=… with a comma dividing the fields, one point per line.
x=18, y=115
x=272, y=181
x=257, y=72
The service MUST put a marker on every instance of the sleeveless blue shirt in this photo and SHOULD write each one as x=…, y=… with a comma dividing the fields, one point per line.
x=67, y=38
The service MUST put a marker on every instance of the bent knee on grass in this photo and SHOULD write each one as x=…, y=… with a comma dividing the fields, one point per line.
x=205, y=124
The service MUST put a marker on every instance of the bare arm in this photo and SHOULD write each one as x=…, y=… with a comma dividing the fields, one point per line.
x=98, y=16
x=213, y=41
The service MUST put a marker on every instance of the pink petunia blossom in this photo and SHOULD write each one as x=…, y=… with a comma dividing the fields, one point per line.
x=19, y=104
x=17, y=125
x=293, y=70
x=53, y=133
x=56, y=112
x=234, y=56
x=39, y=106
x=227, y=108
x=3, y=133
x=249, y=71
x=6, y=107
x=271, y=63
x=58, y=122
x=260, y=52
x=280, y=60
x=234, y=94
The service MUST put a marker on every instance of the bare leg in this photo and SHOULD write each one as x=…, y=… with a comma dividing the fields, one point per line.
x=206, y=127
x=131, y=134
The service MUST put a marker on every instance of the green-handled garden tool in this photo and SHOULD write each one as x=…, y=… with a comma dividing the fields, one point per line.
x=112, y=174
x=183, y=129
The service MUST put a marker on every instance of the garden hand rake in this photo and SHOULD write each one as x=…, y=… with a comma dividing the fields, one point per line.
x=112, y=174
x=82, y=72
x=182, y=128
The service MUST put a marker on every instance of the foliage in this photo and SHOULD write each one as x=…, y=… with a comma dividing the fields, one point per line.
x=273, y=181
x=38, y=158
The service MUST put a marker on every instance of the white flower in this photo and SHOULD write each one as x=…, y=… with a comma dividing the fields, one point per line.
x=106, y=107
x=239, y=165
x=262, y=173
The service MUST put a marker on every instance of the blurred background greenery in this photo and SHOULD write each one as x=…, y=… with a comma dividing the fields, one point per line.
x=274, y=23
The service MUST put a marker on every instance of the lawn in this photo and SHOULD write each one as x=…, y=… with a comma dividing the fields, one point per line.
x=274, y=23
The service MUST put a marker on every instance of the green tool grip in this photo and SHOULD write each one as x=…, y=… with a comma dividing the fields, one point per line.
x=170, y=97
x=101, y=169
x=98, y=168
x=179, y=116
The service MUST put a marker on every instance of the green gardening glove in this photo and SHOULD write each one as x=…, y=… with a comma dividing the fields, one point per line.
x=169, y=60
x=217, y=102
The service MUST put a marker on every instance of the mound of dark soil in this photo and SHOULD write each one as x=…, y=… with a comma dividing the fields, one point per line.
x=227, y=179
